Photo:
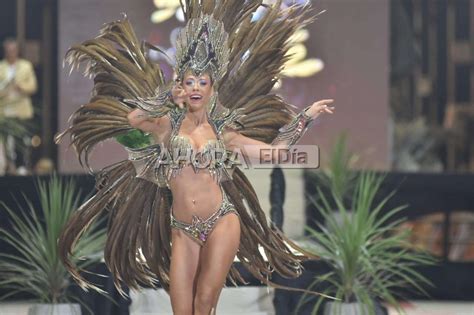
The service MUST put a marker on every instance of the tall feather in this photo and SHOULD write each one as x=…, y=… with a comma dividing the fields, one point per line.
x=121, y=70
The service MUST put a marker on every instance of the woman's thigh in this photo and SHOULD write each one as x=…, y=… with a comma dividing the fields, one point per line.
x=217, y=256
x=183, y=270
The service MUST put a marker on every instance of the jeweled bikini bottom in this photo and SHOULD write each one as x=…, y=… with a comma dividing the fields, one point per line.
x=200, y=229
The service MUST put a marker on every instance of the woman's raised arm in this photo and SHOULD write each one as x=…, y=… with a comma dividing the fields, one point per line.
x=140, y=119
x=288, y=136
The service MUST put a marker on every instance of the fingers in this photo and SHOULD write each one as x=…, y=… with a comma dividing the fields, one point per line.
x=330, y=110
x=183, y=94
x=323, y=106
x=179, y=94
x=177, y=87
x=324, y=102
x=180, y=103
x=177, y=90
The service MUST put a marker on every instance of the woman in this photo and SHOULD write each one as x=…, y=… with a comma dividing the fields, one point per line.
x=182, y=222
x=199, y=268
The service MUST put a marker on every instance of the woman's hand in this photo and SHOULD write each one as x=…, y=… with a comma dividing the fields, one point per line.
x=178, y=94
x=320, y=107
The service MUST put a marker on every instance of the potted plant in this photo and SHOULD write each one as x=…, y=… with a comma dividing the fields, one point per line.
x=35, y=267
x=367, y=259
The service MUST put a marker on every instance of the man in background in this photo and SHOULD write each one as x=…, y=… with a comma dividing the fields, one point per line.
x=17, y=84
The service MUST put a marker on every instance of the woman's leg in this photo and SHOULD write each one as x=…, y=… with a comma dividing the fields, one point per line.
x=217, y=256
x=183, y=270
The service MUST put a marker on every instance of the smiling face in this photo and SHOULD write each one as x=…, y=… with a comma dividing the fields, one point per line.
x=199, y=89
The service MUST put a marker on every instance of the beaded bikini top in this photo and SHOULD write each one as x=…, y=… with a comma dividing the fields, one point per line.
x=160, y=163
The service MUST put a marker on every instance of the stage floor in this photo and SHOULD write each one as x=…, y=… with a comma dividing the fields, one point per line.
x=436, y=308
x=229, y=305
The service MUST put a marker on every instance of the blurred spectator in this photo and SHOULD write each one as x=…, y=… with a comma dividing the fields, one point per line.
x=17, y=84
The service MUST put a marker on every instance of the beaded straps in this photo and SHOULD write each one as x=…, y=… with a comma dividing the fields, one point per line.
x=290, y=133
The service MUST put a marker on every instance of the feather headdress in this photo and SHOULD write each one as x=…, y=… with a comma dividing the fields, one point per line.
x=202, y=46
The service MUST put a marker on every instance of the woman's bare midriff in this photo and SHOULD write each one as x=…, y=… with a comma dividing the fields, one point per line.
x=200, y=187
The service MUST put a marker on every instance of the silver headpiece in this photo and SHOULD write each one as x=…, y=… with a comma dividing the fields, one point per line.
x=202, y=45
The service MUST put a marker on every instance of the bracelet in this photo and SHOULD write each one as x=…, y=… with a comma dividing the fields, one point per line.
x=293, y=131
x=306, y=116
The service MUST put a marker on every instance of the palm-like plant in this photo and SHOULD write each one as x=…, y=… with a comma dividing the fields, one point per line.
x=367, y=259
x=35, y=268
x=337, y=176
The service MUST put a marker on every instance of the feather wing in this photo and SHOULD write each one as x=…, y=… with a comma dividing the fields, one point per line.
x=124, y=78
x=118, y=62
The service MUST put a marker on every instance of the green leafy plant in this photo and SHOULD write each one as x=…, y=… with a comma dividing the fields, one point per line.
x=35, y=268
x=337, y=176
x=368, y=259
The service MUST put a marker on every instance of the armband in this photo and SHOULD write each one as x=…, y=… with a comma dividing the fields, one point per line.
x=291, y=133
